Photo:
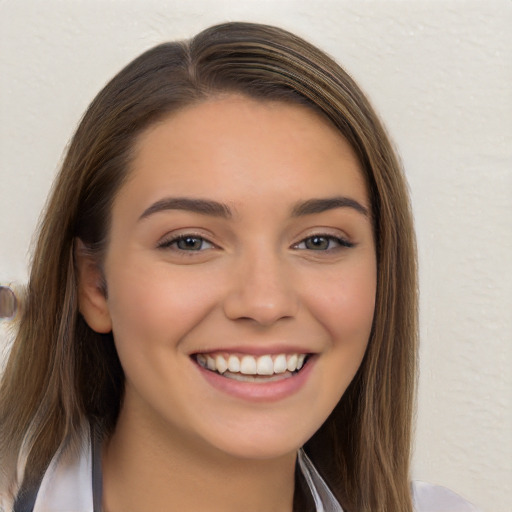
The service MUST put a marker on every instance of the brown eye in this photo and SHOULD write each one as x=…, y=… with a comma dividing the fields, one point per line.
x=317, y=243
x=323, y=243
x=189, y=243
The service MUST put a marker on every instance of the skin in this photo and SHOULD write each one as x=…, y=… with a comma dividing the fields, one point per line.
x=257, y=283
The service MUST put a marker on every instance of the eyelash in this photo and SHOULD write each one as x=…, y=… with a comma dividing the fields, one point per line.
x=342, y=243
x=172, y=243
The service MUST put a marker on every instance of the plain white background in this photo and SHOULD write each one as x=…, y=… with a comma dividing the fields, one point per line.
x=439, y=73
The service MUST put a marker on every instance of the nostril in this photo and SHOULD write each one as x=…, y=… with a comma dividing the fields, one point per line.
x=264, y=311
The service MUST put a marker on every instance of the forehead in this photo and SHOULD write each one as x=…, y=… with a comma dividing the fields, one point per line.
x=236, y=145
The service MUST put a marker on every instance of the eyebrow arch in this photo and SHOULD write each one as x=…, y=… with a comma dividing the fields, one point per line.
x=312, y=206
x=202, y=206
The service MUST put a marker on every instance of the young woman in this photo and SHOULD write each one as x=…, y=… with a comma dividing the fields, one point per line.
x=222, y=309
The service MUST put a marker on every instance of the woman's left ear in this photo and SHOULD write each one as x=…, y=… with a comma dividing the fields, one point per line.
x=92, y=295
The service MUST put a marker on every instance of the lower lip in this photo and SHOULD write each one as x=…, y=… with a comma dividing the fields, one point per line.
x=259, y=391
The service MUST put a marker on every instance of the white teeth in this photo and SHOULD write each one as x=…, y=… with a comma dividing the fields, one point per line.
x=254, y=378
x=210, y=363
x=234, y=364
x=265, y=365
x=280, y=365
x=221, y=364
x=292, y=362
x=248, y=365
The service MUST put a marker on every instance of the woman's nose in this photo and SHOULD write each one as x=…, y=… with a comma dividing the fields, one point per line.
x=261, y=290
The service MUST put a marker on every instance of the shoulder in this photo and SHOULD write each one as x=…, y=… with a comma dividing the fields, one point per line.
x=434, y=498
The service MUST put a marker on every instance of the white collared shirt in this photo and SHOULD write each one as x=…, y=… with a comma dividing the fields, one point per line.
x=67, y=486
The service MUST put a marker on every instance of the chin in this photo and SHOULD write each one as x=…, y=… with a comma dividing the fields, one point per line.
x=271, y=443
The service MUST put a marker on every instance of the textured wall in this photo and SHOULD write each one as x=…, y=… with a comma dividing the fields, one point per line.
x=440, y=75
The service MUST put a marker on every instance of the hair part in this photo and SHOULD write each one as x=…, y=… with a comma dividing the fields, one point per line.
x=61, y=374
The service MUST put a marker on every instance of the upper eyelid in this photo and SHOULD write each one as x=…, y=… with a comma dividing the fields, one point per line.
x=343, y=240
x=170, y=239
x=188, y=231
x=328, y=232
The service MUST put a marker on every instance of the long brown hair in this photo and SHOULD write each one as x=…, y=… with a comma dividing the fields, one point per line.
x=61, y=374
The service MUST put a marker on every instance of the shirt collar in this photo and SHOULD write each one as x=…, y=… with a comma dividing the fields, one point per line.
x=74, y=483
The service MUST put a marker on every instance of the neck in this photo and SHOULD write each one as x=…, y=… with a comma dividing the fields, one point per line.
x=148, y=469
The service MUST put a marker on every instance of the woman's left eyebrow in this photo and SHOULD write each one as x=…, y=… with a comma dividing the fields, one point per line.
x=312, y=206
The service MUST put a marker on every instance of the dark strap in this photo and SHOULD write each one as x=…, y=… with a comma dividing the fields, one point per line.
x=97, y=476
x=26, y=498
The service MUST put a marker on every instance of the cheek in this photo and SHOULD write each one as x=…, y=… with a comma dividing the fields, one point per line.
x=157, y=306
x=345, y=305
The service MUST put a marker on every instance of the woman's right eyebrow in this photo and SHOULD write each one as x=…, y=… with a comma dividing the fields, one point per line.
x=202, y=206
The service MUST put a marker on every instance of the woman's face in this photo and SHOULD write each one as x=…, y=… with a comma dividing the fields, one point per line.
x=240, y=246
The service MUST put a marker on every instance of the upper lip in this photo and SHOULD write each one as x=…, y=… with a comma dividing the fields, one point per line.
x=256, y=350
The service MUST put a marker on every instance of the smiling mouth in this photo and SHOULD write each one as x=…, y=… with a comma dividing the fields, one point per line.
x=248, y=368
